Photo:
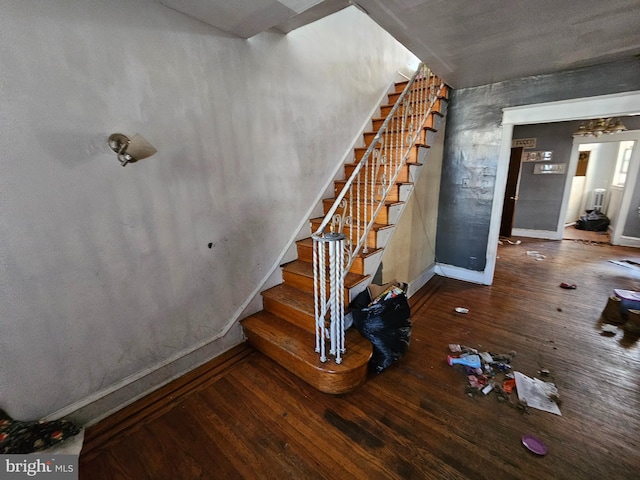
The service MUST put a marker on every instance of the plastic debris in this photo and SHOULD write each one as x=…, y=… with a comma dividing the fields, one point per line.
x=609, y=328
x=486, y=357
x=508, y=385
x=491, y=374
x=462, y=310
x=534, y=444
x=472, y=361
x=568, y=286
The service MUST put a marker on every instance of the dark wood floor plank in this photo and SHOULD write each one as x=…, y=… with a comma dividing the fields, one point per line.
x=415, y=421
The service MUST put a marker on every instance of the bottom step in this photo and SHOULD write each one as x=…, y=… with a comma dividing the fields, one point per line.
x=293, y=348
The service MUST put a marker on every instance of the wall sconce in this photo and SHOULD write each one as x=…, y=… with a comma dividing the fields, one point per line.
x=601, y=126
x=130, y=150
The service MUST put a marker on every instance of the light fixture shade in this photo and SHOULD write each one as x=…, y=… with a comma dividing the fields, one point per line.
x=139, y=148
x=130, y=150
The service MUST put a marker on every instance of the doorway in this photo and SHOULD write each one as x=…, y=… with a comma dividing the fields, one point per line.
x=511, y=192
x=614, y=105
x=612, y=159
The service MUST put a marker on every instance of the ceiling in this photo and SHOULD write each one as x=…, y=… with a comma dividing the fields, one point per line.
x=466, y=42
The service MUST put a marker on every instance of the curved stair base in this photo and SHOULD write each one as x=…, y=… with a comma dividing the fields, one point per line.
x=293, y=348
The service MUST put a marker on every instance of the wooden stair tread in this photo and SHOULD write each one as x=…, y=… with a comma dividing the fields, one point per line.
x=377, y=183
x=378, y=146
x=294, y=349
x=390, y=105
x=294, y=297
x=374, y=227
x=387, y=203
x=372, y=251
x=306, y=269
x=416, y=164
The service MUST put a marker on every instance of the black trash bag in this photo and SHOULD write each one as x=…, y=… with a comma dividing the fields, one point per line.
x=386, y=324
x=594, y=221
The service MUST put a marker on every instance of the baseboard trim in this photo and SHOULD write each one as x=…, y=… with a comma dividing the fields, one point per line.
x=451, y=271
x=105, y=402
x=629, y=241
x=134, y=416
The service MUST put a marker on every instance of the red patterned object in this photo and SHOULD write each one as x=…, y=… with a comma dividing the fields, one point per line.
x=19, y=437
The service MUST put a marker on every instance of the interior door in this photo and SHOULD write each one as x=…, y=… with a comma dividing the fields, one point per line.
x=511, y=192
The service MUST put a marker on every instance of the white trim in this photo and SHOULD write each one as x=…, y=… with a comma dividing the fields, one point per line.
x=545, y=234
x=629, y=188
x=613, y=105
x=140, y=384
x=564, y=206
x=618, y=104
x=498, y=203
x=629, y=241
x=459, y=273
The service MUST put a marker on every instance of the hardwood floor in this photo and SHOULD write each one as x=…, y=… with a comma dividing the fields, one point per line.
x=256, y=420
x=572, y=233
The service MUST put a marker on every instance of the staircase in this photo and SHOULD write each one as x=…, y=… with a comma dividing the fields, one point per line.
x=285, y=330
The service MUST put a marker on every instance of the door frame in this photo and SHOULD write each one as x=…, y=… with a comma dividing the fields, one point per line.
x=630, y=183
x=619, y=104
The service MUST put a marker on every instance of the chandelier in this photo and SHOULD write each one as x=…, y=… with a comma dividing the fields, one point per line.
x=601, y=126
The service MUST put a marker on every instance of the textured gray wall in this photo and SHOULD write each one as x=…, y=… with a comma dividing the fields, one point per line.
x=472, y=143
x=540, y=196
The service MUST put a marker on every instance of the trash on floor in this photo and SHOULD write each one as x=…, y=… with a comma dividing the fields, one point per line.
x=609, y=328
x=568, y=286
x=536, y=254
x=472, y=361
x=502, y=241
x=623, y=308
x=462, y=310
x=489, y=372
x=627, y=263
x=538, y=394
x=382, y=315
x=534, y=444
x=508, y=385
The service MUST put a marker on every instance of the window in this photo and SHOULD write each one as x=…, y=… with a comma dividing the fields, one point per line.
x=622, y=166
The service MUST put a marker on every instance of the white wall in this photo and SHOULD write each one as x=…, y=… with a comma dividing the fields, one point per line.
x=410, y=255
x=600, y=170
x=574, y=209
x=105, y=271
